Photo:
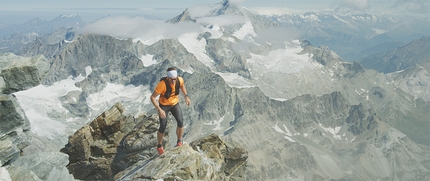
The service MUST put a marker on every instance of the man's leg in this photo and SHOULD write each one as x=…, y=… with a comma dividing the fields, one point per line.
x=179, y=133
x=177, y=113
x=161, y=129
x=159, y=138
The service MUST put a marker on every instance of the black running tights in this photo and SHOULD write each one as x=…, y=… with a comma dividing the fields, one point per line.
x=176, y=112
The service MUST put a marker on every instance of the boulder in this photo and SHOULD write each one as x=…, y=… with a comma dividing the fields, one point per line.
x=21, y=73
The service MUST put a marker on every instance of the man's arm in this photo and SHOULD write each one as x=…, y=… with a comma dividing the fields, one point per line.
x=184, y=91
x=155, y=103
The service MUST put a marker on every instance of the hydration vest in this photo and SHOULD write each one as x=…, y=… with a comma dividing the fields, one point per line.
x=169, y=89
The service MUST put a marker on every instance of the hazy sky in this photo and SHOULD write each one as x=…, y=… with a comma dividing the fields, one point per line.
x=19, y=11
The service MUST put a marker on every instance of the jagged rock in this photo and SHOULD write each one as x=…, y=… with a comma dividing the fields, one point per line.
x=11, y=115
x=21, y=73
x=14, y=128
x=139, y=144
x=8, y=150
x=41, y=166
x=93, y=148
x=208, y=158
x=361, y=120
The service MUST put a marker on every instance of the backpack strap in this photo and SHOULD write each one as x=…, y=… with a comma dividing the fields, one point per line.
x=169, y=89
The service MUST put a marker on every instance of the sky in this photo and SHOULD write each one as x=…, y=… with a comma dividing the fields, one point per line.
x=19, y=11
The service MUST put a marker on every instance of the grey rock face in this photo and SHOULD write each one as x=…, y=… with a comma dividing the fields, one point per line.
x=11, y=115
x=19, y=73
x=14, y=128
x=8, y=150
x=41, y=166
x=360, y=121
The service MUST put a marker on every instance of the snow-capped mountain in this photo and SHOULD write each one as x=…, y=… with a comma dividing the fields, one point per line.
x=302, y=112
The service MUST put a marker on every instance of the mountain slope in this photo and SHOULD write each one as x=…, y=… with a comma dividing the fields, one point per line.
x=404, y=57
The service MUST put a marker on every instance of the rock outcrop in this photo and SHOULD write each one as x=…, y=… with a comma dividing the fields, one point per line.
x=115, y=146
x=14, y=129
x=208, y=158
x=16, y=74
x=92, y=148
x=21, y=73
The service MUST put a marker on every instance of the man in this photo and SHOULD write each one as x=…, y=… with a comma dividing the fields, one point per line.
x=168, y=89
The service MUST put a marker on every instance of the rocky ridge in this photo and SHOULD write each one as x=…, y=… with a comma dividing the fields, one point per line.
x=119, y=147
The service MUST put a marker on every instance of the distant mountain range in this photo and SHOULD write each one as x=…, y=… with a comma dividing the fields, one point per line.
x=354, y=36
x=300, y=110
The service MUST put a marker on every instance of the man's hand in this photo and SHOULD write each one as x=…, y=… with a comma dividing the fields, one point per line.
x=187, y=101
x=162, y=113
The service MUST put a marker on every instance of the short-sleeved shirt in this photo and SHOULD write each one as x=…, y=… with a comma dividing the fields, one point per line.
x=161, y=89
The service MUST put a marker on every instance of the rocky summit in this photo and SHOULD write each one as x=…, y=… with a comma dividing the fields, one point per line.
x=119, y=147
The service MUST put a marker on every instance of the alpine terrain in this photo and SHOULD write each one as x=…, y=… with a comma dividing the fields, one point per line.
x=266, y=104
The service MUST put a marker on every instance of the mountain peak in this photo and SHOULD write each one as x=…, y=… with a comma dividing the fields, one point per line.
x=226, y=7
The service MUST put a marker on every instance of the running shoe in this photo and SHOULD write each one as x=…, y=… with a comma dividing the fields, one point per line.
x=160, y=150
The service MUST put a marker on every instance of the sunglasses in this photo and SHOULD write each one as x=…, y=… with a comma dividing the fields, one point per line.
x=173, y=79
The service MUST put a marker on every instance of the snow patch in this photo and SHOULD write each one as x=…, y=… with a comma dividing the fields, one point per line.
x=38, y=114
x=245, y=32
x=235, y=80
x=88, y=71
x=147, y=60
x=196, y=47
x=217, y=123
x=286, y=60
x=333, y=131
x=114, y=93
x=287, y=132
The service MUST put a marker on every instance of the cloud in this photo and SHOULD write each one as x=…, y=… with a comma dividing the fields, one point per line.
x=414, y=6
x=222, y=20
x=359, y=5
x=139, y=28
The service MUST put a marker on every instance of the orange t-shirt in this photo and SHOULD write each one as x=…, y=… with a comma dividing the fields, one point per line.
x=161, y=89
